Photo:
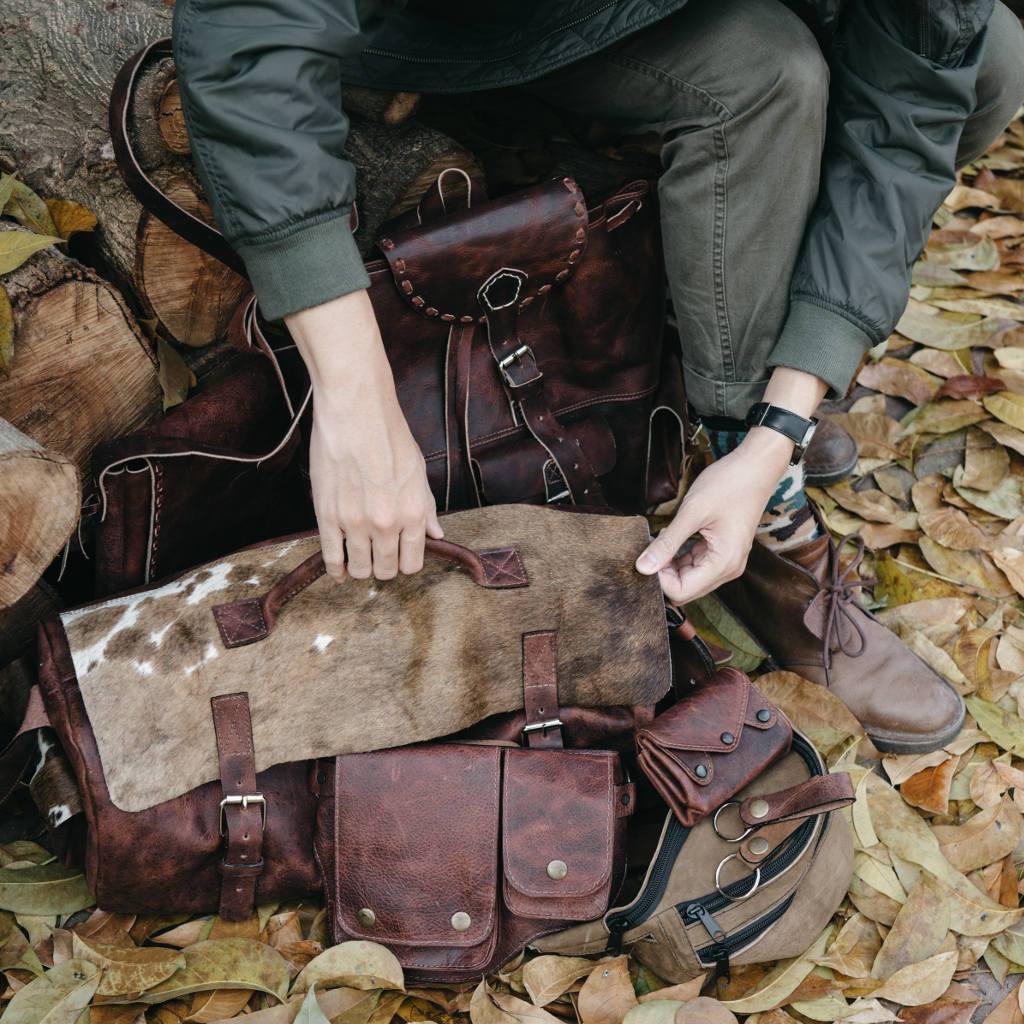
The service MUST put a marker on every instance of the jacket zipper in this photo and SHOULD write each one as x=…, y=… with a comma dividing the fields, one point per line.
x=704, y=906
x=378, y=52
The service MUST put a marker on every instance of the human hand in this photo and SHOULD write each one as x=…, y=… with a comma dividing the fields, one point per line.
x=723, y=508
x=369, y=479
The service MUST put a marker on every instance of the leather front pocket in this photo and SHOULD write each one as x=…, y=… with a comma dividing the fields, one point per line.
x=559, y=825
x=416, y=833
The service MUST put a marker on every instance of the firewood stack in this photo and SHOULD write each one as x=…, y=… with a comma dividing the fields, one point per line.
x=94, y=291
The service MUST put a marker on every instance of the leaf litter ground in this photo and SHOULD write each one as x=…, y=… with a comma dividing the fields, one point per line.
x=932, y=929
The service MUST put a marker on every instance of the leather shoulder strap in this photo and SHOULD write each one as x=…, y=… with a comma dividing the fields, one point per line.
x=190, y=227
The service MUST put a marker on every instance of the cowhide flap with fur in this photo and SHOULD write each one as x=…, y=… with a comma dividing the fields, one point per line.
x=364, y=664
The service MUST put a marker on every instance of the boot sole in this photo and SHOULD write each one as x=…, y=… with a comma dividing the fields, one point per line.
x=918, y=744
x=827, y=479
x=886, y=745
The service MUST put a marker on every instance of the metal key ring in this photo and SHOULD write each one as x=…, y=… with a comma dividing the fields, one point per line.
x=718, y=880
x=721, y=835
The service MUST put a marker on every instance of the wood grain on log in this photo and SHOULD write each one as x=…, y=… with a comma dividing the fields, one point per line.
x=82, y=371
x=190, y=292
x=40, y=496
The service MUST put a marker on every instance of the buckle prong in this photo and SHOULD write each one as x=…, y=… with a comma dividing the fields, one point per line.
x=551, y=723
x=243, y=801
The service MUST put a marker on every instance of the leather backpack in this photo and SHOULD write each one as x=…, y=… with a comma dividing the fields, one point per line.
x=526, y=335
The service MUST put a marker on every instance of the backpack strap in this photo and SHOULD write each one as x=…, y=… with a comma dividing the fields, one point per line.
x=179, y=220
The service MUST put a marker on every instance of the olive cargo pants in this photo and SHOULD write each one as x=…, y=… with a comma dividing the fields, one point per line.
x=737, y=91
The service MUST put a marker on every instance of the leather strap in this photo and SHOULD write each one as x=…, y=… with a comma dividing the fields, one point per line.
x=524, y=385
x=788, y=810
x=253, y=619
x=243, y=810
x=815, y=796
x=540, y=691
x=179, y=220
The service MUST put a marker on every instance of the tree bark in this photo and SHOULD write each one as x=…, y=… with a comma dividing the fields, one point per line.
x=57, y=64
x=40, y=497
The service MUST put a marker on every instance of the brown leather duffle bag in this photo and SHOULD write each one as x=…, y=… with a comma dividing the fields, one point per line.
x=202, y=717
x=526, y=335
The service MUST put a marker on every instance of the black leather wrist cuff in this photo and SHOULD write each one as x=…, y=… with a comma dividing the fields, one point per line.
x=799, y=429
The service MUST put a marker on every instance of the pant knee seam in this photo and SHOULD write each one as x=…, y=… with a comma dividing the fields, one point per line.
x=721, y=111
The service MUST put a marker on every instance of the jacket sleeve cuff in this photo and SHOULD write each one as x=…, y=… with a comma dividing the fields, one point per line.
x=819, y=341
x=315, y=263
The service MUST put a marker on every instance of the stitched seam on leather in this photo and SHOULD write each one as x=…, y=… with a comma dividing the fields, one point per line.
x=403, y=277
x=501, y=574
x=525, y=890
x=301, y=585
x=154, y=532
x=223, y=614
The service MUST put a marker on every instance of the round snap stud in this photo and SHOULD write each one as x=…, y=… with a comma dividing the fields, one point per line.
x=557, y=870
x=758, y=845
x=758, y=808
x=461, y=921
x=701, y=771
x=366, y=917
x=763, y=715
x=728, y=739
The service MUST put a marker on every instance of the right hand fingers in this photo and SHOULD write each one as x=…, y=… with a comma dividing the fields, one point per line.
x=332, y=545
x=688, y=520
x=360, y=562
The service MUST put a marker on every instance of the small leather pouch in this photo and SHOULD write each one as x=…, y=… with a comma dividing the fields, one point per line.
x=456, y=855
x=710, y=744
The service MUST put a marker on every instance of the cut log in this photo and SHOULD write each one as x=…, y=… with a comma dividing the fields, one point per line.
x=380, y=105
x=70, y=52
x=82, y=371
x=40, y=496
x=190, y=292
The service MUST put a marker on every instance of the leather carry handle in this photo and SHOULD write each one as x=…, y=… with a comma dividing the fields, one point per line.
x=179, y=220
x=253, y=619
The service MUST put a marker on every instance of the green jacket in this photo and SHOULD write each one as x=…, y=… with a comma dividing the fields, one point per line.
x=261, y=90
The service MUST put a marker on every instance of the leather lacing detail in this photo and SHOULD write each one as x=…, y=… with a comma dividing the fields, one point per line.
x=840, y=587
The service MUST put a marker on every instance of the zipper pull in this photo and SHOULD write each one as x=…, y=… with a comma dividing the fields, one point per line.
x=720, y=952
x=616, y=930
x=696, y=912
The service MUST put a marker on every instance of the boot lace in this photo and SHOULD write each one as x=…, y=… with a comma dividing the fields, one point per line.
x=840, y=586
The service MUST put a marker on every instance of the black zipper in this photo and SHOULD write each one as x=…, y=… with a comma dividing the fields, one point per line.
x=377, y=52
x=719, y=951
x=620, y=923
x=703, y=907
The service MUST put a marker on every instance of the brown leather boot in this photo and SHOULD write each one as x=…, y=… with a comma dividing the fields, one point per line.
x=831, y=455
x=802, y=607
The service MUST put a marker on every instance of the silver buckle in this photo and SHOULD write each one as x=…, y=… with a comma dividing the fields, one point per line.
x=515, y=357
x=243, y=802
x=551, y=723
